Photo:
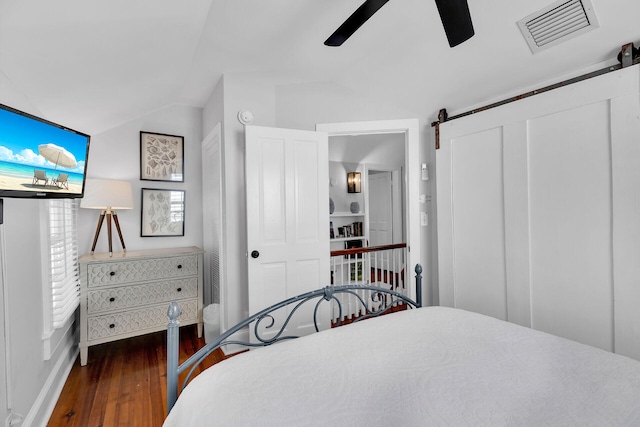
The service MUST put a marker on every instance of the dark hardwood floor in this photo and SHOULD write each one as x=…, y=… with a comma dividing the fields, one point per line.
x=124, y=382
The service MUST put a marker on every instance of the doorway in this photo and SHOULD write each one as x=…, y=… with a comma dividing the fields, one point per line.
x=405, y=133
x=381, y=160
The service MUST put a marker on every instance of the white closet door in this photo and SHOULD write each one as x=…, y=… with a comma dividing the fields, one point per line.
x=212, y=218
x=539, y=212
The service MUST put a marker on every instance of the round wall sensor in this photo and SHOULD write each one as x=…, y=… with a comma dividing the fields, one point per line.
x=245, y=117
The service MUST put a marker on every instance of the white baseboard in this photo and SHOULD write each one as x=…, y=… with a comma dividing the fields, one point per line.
x=45, y=403
x=12, y=420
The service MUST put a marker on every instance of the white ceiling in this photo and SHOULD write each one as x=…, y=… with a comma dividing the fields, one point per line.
x=93, y=65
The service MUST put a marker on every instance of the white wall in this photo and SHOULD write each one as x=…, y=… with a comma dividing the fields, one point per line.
x=4, y=409
x=302, y=106
x=29, y=370
x=351, y=153
x=213, y=110
x=381, y=149
x=338, y=185
x=115, y=154
x=32, y=382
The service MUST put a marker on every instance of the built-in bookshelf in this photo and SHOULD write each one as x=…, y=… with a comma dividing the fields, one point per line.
x=347, y=230
x=345, y=226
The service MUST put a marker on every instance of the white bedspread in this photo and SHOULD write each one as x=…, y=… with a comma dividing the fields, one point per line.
x=433, y=366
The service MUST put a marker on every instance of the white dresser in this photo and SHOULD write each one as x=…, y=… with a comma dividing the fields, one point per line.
x=128, y=294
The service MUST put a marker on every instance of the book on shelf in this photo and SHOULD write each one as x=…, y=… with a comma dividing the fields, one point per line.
x=346, y=231
x=350, y=244
x=357, y=228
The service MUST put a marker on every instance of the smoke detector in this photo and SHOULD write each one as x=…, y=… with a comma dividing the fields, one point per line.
x=557, y=23
x=245, y=117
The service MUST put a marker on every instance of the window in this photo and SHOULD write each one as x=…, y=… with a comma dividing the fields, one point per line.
x=61, y=276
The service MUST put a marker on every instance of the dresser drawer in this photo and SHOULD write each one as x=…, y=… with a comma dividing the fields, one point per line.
x=110, y=299
x=140, y=270
x=109, y=325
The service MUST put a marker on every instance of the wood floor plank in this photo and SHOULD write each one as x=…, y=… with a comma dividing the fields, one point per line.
x=124, y=382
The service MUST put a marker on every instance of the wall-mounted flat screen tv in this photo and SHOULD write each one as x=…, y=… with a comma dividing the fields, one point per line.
x=40, y=159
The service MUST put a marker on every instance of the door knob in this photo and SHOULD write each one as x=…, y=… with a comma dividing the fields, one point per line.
x=255, y=254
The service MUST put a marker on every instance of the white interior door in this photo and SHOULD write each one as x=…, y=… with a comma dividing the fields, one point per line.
x=212, y=213
x=287, y=180
x=380, y=212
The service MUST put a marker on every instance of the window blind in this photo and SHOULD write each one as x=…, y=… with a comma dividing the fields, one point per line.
x=65, y=275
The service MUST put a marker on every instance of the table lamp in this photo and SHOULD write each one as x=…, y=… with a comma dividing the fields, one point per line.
x=108, y=195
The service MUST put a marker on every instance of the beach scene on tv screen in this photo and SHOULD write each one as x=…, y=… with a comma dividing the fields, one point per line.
x=37, y=156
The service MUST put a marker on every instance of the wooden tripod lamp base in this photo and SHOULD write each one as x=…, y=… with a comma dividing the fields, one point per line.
x=109, y=214
x=108, y=195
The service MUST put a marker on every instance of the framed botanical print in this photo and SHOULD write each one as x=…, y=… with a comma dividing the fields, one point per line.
x=162, y=212
x=161, y=157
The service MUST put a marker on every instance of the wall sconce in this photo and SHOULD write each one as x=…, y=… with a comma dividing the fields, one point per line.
x=353, y=182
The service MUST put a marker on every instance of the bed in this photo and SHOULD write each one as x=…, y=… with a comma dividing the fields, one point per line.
x=427, y=366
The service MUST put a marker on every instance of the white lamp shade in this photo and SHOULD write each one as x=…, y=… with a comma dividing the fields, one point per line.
x=107, y=194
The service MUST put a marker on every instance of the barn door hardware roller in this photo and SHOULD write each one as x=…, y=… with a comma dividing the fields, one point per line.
x=628, y=55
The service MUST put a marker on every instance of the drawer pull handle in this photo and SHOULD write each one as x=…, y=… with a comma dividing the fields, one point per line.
x=179, y=265
x=179, y=289
x=112, y=299
x=111, y=326
x=112, y=273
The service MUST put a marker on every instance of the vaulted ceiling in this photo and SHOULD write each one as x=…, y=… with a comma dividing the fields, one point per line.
x=93, y=65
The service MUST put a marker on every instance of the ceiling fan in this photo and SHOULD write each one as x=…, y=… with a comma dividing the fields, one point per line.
x=454, y=14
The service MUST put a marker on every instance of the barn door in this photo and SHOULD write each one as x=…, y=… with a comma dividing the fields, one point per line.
x=538, y=212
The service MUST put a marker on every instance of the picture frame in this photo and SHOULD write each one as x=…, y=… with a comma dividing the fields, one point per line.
x=163, y=212
x=161, y=157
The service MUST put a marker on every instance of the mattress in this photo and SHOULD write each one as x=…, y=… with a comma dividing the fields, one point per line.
x=433, y=366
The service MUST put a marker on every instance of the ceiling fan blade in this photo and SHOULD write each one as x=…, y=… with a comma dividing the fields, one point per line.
x=456, y=20
x=355, y=21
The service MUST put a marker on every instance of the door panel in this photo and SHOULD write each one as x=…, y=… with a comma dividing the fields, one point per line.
x=272, y=179
x=287, y=218
x=478, y=224
x=570, y=222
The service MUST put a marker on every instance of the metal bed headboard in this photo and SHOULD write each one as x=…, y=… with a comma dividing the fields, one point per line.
x=385, y=299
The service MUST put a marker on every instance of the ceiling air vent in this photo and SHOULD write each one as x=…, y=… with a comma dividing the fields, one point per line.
x=561, y=21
